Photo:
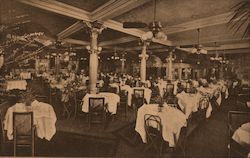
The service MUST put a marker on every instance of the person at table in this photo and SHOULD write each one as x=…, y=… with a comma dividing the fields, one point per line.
x=72, y=76
x=21, y=103
x=193, y=90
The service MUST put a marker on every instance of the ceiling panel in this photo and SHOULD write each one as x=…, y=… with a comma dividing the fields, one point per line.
x=88, y=5
x=41, y=20
x=171, y=12
x=208, y=34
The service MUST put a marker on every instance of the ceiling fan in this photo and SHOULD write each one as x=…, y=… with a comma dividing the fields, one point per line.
x=155, y=29
x=196, y=48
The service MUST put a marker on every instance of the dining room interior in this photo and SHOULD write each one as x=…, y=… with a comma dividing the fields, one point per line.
x=125, y=78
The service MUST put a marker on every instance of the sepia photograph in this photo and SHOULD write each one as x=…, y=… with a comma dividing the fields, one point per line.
x=125, y=78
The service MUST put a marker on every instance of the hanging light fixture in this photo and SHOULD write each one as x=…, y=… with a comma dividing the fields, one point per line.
x=224, y=60
x=217, y=57
x=115, y=56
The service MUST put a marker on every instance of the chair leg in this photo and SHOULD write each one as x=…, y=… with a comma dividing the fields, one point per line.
x=33, y=143
x=89, y=120
x=75, y=109
x=161, y=148
x=14, y=148
x=126, y=111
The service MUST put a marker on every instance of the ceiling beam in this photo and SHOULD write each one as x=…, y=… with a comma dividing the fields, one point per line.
x=230, y=46
x=230, y=51
x=59, y=8
x=118, y=41
x=76, y=42
x=150, y=47
x=114, y=8
x=114, y=48
x=85, y=43
x=70, y=30
x=134, y=32
x=80, y=14
x=223, y=38
x=201, y=23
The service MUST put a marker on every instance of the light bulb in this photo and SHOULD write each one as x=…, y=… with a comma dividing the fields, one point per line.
x=194, y=50
x=99, y=49
x=88, y=47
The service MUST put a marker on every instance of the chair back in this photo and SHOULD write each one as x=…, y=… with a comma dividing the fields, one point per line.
x=153, y=127
x=23, y=123
x=3, y=109
x=235, y=120
x=123, y=96
x=96, y=104
x=23, y=131
x=138, y=97
x=139, y=93
x=170, y=89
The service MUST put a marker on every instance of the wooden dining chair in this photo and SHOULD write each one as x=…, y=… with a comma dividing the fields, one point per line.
x=169, y=94
x=53, y=96
x=137, y=99
x=97, y=111
x=78, y=96
x=5, y=143
x=153, y=128
x=235, y=120
x=124, y=102
x=24, y=131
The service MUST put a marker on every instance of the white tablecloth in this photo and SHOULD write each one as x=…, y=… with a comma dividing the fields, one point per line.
x=44, y=119
x=111, y=100
x=25, y=75
x=16, y=84
x=147, y=93
x=57, y=85
x=172, y=121
x=190, y=102
x=242, y=135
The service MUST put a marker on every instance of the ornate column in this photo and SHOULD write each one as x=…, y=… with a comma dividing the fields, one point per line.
x=57, y=64
x=144, y=58
x=95, y=28
x=36, y=64
x=180, y=73
x=221, y=71
x=123, y=63
x=170, y=60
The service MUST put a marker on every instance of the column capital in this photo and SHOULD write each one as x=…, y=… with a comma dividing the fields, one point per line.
x=171, y=57
x=144, y=56
x=123, y=59
x=95, y=28
x=145, y=42
x=94, y=50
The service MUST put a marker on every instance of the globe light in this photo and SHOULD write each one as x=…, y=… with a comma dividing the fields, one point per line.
x=99, y=49
x=88, y=47
x=194, y=50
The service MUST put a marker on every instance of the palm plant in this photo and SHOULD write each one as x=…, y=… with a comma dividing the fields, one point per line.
x=241, y=18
